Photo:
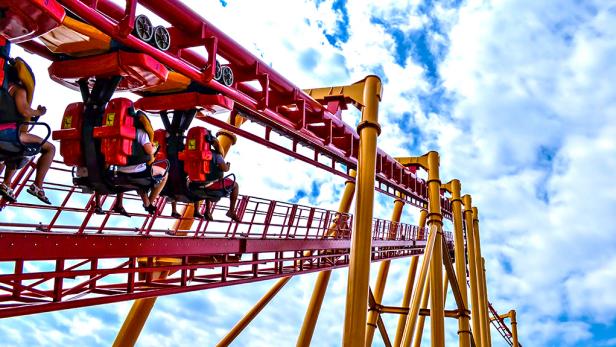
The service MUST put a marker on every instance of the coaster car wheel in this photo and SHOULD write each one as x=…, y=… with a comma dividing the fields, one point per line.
x=227, y=76
x=218, y=72
x=143, y=28
x=161, y=38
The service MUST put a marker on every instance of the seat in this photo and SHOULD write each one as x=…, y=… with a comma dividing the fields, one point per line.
x=201, y=190
x=117, y=132
x=196, y=154
x=123, y=182
x=117, y=135
x=76, y=39
x=69, y=135
x=138, y=70
x=15, y=150
x=23, y=20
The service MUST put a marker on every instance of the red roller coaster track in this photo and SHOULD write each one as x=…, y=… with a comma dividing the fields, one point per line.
x=98, y=261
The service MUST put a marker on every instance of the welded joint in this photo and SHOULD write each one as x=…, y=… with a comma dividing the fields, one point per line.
x=453, y=187
x=369, y=124
x=464, y=313
x=228, y=134
x=353, y=93
x=422, y=161
x=468, y=203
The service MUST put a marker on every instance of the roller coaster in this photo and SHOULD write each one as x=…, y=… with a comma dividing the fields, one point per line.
x=66, y=255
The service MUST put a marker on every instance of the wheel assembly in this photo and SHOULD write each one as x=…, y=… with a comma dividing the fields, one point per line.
x=227, y=76
x=218, y=72
x=143, y=28
x=161, y=38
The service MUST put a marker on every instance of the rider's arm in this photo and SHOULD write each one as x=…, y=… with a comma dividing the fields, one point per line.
x=224, y=166
x=23, y=108
x=144, y=140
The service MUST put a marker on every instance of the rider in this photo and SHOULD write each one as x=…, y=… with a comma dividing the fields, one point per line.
x=140, y=165
x=15, y=110
x=215, y=181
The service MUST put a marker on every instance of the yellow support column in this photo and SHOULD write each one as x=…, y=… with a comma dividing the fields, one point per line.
x=433, y=257
x=408, y=289
x=344, y=207
x=514, y=328
x=361, y=241
x=483, y=299
x=239, y=327
x=487, y=312
x=454, y=188
x=422, y=319
x=472, y=269
x=139, y=312
x=320, y=286
x=381, y=278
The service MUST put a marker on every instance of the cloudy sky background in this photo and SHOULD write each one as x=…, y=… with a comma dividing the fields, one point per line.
x=518, y=98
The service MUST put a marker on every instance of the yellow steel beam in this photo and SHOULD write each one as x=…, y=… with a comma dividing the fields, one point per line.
x=430, y=163
x=408, y=288
x=514, y=325
x=250, y=315
x=485, y=290
x=134, y=322
x=454, y=188
x=354, y=93
x=422, y=319
x=435, y=217
x=422, y=281
x=472, y=269
x=345, y=205
x=360, y=257
x=381, y=278
x=483, y=299
x=514, y=328
x=320, y=286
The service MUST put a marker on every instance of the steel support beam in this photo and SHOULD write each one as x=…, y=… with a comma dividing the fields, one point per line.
x=483, y=298
x=320, y=286
x=454, y=188
x=250, y=315
x=408, y=288
x=472, y=269
x=359, y=266
x=381, y=279
x=430, y=163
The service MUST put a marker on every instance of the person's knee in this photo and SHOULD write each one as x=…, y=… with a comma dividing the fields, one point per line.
x=48, y=147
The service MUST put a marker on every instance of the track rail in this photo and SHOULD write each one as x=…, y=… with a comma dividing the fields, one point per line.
x=68, y=257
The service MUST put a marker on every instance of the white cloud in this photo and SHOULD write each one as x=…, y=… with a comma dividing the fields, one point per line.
x=530, y=134
x=533, y=142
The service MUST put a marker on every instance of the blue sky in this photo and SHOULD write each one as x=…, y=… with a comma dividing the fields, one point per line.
x=517, y=96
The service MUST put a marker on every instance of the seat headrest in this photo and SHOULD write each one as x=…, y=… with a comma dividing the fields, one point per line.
x=143, y=122
x=26, y=76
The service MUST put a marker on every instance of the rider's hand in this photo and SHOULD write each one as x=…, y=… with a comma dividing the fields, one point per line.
x=41, y=109
x=229, y=165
